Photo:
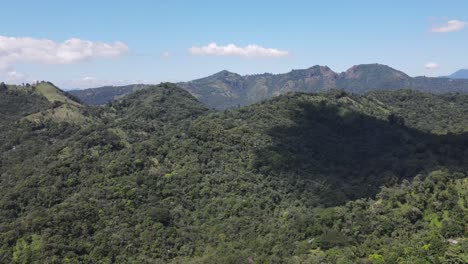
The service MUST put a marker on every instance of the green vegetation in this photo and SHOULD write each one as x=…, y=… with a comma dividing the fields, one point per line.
x=106, y=94
x=157, y=177
x=226, y=90
x=439, y=114
x=53, y=94
x=398, y=227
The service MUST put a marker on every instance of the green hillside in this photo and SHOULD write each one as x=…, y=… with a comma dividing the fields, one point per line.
x=157, y=177
x=439, y=114
x=53, y=94
x=106, y=94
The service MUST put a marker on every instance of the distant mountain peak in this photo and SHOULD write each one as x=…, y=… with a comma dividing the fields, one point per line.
x=371, y=66
x=460, y=74
x=226, y=89
x=374, y=69
x=322, y=69
x=326, y=68
x=316, y=70
x=225, y=73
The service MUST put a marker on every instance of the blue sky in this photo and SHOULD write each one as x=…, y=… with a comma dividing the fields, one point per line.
x=150, y=41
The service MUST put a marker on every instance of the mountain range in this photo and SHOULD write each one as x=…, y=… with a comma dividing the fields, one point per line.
x=225, y=89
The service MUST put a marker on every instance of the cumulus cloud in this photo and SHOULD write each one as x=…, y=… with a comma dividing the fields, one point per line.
x=449, y=26
x=248, y=51
x=26, y=49
x=431, y=66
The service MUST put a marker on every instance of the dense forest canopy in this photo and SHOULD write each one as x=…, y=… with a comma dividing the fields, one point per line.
x=158, y=177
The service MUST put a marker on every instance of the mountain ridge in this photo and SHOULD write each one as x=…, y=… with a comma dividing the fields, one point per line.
x=460, y=74
x=226, y=89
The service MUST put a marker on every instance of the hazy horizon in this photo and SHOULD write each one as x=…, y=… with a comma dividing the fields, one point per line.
x=146, y=42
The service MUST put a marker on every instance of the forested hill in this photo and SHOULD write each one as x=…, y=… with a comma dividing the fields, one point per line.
x=449, y=111
x=226, y=89
x=105, y=94
x=157, y=177
x=460, y=74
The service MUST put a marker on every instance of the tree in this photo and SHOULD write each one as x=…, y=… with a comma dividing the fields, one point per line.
x=394, y=119
x=3, y=86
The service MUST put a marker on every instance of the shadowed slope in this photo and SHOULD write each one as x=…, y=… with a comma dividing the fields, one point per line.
x=338, y=152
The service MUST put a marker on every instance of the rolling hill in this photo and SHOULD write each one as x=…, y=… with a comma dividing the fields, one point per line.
x=103, y=95
x=157, y=177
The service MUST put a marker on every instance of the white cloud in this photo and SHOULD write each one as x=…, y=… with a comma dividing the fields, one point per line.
x=449, y=26
x=88, y=79
x=248, y=51
x=14, y=77
x=431, y=66
x=26, y=49
x=92, y=82
x=166, y=54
